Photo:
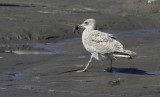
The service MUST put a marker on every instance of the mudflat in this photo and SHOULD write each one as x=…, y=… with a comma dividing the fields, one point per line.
x=40, y=54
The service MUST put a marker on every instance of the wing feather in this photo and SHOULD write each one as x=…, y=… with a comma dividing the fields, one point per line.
x=105, y=43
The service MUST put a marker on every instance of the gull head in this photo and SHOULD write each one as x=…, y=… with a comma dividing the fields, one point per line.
x=89, y=24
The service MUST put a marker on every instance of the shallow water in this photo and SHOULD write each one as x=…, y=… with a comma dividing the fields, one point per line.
x=8, y=78
x=49, y=48
x=33, y=53
x=52, y=46
x=137, y=31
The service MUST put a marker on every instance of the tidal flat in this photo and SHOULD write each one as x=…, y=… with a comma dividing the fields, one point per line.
x=40, y=55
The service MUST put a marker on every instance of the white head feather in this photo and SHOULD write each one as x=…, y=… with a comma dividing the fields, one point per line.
x=89, y=24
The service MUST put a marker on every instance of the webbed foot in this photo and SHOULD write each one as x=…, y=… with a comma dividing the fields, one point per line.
x=108, y=69
x=81, y=71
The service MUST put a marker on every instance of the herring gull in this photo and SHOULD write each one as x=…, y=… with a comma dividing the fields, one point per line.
x=100, y=44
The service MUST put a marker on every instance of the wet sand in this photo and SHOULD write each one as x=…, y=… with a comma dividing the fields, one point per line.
x=41, y=54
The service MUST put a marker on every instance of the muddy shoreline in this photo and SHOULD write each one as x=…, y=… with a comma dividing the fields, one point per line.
x=39, y=53
x=54, y=74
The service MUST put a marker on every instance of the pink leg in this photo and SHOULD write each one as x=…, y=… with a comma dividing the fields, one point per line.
x=85, y=69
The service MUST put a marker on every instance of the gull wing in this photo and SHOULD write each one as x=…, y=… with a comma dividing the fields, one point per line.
x=99, y=36
x=105, y=42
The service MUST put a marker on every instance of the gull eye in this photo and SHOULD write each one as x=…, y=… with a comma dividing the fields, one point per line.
x=86, y=23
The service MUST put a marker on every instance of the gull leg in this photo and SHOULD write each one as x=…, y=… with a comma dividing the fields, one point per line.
x=85, y=69
x=110, y=67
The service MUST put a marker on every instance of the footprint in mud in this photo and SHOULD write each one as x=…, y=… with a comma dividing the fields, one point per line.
x=116, y=82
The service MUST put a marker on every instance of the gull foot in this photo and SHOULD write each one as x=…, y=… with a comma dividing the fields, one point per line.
x=81, y=71
x=108, y=69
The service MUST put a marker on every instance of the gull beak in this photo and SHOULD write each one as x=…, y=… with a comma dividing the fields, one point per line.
x=80, y=26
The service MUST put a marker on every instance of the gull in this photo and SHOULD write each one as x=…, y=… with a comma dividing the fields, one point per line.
x=101, y=45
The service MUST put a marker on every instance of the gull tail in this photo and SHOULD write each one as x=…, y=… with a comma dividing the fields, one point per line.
x=126, y=54
x=121, y=55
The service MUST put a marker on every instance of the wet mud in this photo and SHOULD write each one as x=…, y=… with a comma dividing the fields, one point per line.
x=39, y=53
x=49, y=69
